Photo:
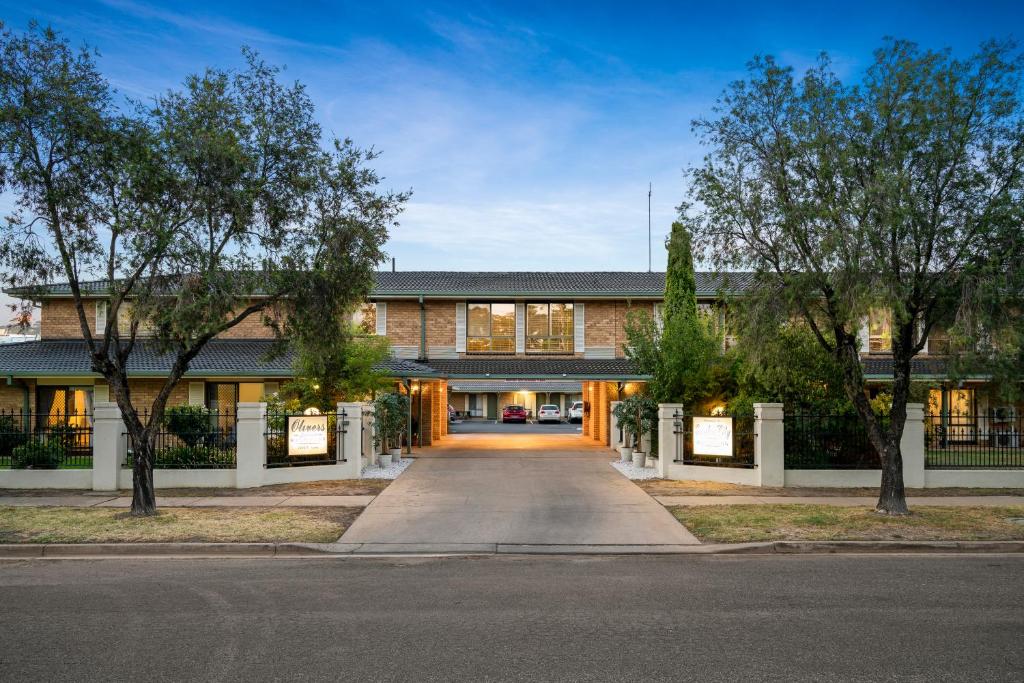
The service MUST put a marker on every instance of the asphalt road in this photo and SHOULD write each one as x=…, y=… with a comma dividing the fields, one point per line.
x=822, y=618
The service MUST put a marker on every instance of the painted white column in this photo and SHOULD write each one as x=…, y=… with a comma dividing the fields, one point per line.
x=109, y=446
x=667, y=416
x=769, y=444
x=912, y=447
x=350, y=446
x=252, y=445
x=613, y=426
x=369, y=424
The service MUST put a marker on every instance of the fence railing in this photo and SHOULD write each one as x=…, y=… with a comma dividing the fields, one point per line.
x=743, y=433
x=211, y=444
x=45, y=440
x=990, y=441
x=277, y=441
x=827, y=442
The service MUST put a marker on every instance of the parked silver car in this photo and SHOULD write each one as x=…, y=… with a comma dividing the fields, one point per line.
x=549, y=413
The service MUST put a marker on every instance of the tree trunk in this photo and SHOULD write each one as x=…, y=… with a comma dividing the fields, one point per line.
x=892, y=498
x=143, y=493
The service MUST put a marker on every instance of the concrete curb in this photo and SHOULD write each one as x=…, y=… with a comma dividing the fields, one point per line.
x=21, y=551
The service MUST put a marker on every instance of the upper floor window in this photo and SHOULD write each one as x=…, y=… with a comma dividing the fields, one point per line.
x=879, y=331
x=549, y=328
x=491, y=328
x=365, y=318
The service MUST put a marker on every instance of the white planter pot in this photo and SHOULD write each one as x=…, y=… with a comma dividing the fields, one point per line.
x=396, y=454
x=639, y=459
x=626, y=453
x=384, y=460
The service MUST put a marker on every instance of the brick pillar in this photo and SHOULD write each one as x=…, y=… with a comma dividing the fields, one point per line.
x=601, y=421
x=587, y=403
x=444, y=407
x=427, y=418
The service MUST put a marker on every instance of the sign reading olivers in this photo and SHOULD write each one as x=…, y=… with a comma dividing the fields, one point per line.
x=712, y=436
x=307, y=435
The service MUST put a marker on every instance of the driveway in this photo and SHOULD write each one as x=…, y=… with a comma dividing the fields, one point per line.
x=493, y=427
x=480, y=490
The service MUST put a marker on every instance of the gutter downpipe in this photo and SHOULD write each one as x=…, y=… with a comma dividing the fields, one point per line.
x=423, y=329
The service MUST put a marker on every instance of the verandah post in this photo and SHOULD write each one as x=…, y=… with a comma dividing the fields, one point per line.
x=251, y=458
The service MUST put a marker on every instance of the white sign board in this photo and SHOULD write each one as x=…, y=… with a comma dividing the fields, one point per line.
x=307, y=435
x=712, y=436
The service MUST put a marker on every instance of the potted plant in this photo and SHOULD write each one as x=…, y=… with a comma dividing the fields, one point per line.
x=625, y=419
x=641, y=413
x=390, y=412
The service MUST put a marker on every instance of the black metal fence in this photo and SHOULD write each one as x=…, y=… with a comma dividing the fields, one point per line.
x=988, y=441
x=277, y=441
x=45, y=440
x=210, y=442
x=743, y=435
x=828, y=442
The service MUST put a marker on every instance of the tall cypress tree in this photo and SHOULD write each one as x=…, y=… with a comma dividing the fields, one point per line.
x=680, y=281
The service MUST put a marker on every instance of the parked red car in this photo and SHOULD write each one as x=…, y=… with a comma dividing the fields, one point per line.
x=513, y=414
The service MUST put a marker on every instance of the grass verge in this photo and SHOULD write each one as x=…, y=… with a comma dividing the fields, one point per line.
x=224, y=525
x=745, y=523
x=666, y=487
x=340, y=487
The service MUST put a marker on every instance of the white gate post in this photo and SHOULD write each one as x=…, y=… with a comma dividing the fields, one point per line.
x=912, y=447
x=251, y=458
x=769, y=444
x=350, y=446
x=667, y=416
x=109, y=446
x=615, y=434
x=369, y=425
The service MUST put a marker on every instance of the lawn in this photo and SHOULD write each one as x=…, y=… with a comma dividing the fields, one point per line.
x=743, y=523
x=974, y=457
x=227, y=525
x=666, y=487
x=341, y=487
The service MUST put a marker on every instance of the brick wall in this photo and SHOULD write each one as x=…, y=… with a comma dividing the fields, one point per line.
x=144, y=391
x=12, y=398
x=404, y=323
x=440, y=323
x=58, y=319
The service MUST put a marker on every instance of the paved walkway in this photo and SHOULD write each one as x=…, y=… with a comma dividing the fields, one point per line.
x=483, y=490
x=93, y=501
x=844, y=501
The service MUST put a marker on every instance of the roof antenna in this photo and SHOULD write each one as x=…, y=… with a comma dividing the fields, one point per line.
x=392, y=264
x=650, y=188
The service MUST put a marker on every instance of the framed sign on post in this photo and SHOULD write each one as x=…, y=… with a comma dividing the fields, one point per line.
x=712, y=436
x=307, y=435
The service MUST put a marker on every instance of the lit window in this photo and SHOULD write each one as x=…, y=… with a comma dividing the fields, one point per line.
x=549, y=328
x=879, y=331
x=491, y=328
x=365, y=318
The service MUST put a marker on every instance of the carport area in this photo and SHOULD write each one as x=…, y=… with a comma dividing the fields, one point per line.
x=473, y=492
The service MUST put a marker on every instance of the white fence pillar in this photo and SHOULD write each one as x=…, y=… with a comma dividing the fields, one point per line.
x=912, y=447
x=350, y=445
x=615, y=435
x=668, y=414
x=251, y=459
x=770, y=444
x=109, y=446
x=369, y=425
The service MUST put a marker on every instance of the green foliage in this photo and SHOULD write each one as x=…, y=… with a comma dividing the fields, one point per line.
x=342, y=367
x=189, y=456
x=39, y=453
x=391, y=412
x=190, y=424
x=11, y=435
x=637, y=415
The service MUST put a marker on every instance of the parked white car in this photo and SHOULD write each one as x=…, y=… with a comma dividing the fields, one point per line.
x=549, y=413
x=576, y=412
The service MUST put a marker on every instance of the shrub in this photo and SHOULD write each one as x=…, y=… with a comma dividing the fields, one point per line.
x=11, y=435
x=186, y=457
x=190, y=424
x=38, y=454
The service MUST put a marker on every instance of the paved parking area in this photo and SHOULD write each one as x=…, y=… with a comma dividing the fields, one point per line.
x=492, y=427
x=530, y=489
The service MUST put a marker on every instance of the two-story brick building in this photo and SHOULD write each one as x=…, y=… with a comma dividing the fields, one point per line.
x=473, y=340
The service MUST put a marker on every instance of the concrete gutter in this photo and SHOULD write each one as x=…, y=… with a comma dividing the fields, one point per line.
x=53, y=551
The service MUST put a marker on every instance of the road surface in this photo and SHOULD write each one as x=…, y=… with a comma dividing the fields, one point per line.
x=524, y=618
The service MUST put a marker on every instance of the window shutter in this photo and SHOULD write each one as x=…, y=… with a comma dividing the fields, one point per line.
x=460, y=327
x=579, y=334
x=101, y=316
x=382, y=319
x=520, y=327
x=197, y=393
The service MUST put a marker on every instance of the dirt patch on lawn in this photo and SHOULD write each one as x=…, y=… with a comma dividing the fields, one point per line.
x=665, y=487
x=181, y=525
x=745, y=523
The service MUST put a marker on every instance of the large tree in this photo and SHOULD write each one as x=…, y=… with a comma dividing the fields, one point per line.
x=213, y=204
x=901, y=193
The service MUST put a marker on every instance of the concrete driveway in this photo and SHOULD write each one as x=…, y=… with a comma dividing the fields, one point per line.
x=477, y=491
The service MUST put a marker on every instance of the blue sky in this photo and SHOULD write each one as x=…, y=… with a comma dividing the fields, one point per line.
x=528, y=131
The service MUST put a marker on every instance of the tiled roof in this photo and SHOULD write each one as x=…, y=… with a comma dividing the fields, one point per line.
x=582, y=368
x=224, y=357
x=876, y=367
x=455, y=283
